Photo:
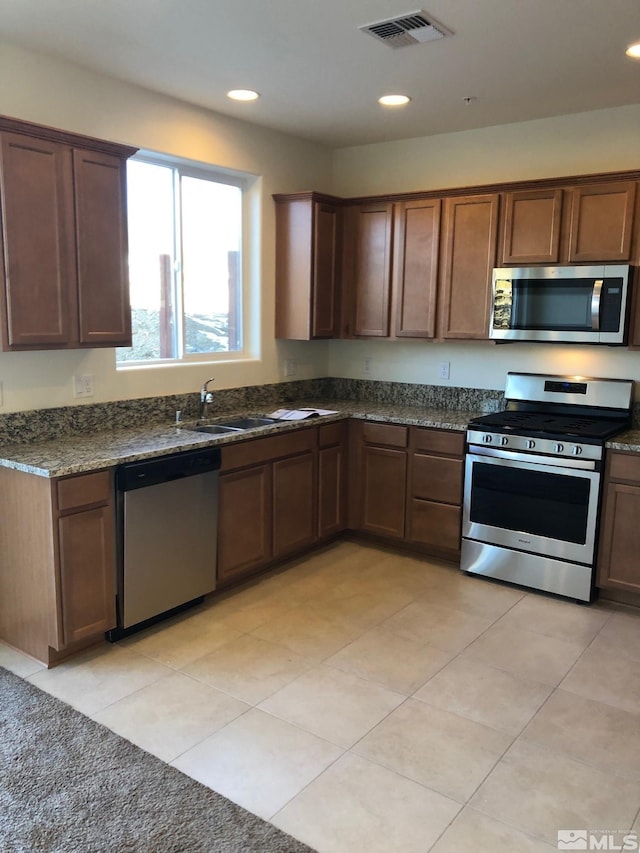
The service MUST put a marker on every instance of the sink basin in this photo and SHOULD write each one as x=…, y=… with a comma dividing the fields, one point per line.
x=236, y=425
x=249, y=423
x=215, y=429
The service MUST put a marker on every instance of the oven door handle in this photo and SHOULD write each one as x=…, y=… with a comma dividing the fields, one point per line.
x=534, y=459
x=595, y=304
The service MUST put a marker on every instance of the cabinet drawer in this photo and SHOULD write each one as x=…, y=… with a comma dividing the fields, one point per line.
x=389, y=434
x=258, y=450
x=84, y=490
x=624, y=466
x=436, y=525
x=329, y=434
x=444, y=441
x=437, y=479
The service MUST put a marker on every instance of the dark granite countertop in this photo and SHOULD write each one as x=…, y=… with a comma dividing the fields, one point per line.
x=628, y=440
x=83, y=452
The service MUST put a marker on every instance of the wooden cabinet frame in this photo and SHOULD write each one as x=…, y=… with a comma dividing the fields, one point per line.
x=63, y=272
x=59, y=595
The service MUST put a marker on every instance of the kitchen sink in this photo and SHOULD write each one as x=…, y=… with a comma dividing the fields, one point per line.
x=249, y=423
x=236, y=425
x=215, y=429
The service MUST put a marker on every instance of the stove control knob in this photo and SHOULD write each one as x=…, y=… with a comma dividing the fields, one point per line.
x=530, y=444
x=558, y=448
x=487, y=438
x=504, y=440
x=577, y=450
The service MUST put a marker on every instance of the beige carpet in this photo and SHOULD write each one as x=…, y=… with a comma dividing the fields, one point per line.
x=69, y=785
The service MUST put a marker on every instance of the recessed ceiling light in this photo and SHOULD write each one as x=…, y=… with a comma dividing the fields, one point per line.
x=633, y=50
x=243, y=95
x=394, y=100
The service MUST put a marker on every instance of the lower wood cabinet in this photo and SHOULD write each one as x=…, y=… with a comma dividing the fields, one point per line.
x=58, y=538
x=267, y=501
x=436, y=472
x=378, y=476
x=332, y=479
x=407, y=485
x=86, y=527
x=244, y=520
x=619, y=549
x=294, y=503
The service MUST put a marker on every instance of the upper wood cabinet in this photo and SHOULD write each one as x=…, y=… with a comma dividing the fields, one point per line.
x=394, y=268
x=308, y=235
x=531, y=232
x=63, y=280
x=580, y=224
x=416, y=254
x=469, y=252
x=372, y=274
x=601, y=222
x=420, y=265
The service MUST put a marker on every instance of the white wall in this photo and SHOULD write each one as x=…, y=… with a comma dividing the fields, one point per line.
x=585, y=143
x=50, y=92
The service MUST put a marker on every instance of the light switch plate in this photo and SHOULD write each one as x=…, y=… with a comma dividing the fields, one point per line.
x=290, y=367
x=83, y=385
x=443, y=369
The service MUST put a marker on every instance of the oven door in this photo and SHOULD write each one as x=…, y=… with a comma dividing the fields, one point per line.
x=532, y=504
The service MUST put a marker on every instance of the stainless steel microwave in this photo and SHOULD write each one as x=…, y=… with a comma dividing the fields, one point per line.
x=578, y=304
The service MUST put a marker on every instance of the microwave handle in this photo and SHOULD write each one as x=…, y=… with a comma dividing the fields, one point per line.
x=595, y=304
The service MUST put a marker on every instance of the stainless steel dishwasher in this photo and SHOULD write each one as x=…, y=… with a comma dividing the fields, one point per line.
x=167, y=535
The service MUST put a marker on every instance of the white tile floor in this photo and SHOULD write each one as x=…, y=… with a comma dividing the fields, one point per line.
x=362, y=700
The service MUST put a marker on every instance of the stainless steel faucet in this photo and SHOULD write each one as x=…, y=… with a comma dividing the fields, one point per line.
x=206, y=397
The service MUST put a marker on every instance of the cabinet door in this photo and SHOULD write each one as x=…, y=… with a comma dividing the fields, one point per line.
x=384, y=478
x=101, y=244
x=294, y=503
x=87, y=573
x=416, y=258
x=325, y=270
x=244, y=521
x=532, y=227
x=331, y=490
x=618, y=564
x=39, y=286
x=470, y=235
x=602, y=222
x=373, y=270
x=307, y=264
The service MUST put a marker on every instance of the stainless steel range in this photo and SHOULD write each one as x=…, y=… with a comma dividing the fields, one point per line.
x=533, y=480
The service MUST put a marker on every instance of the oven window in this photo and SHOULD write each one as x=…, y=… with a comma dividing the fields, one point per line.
x=550, y=505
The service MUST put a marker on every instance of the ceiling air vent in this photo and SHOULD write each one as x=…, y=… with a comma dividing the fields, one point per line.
x=405, y=30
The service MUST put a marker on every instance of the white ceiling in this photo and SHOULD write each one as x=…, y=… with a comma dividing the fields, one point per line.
x=320, y=76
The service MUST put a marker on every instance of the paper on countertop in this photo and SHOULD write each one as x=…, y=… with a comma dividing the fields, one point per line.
x=300, y=414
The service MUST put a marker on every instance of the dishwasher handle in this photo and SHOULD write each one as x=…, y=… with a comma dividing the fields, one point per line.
x=163, y=469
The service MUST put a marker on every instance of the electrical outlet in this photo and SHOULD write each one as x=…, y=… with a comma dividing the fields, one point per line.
x=83, y=385
x=367, y=367
x=290, y=367
x=1, y=396
x=443, y=369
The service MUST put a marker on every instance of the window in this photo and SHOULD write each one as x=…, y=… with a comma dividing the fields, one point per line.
x=185, y=232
